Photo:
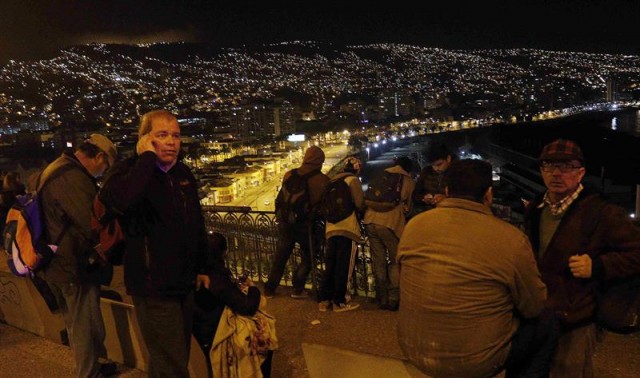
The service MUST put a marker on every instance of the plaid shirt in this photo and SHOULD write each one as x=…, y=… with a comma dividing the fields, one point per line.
x=562, y=205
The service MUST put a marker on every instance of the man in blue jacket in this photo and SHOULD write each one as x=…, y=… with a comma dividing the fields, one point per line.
x=165, y=233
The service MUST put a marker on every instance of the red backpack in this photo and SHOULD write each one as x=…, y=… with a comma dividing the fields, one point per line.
x=106, y=226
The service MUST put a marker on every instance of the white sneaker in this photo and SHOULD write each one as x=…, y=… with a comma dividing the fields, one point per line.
x=323, y=306
x=342, y=307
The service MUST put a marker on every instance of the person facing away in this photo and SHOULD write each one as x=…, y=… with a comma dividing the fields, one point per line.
x=471, y=292
x=166, y=245
x=384, y=229
x=11, y=188
x=580, y=241
x=430, y=183
x=66, y=205
x=340, y=251
x=298, y=231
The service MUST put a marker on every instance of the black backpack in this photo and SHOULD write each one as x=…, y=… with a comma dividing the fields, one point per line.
x=337, y=203
x=384, y=188
x=292, y=202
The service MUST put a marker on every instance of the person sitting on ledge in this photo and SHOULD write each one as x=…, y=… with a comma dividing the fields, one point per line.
x=471, y=292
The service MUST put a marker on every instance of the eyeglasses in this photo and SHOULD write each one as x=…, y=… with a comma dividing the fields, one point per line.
x=563, y=167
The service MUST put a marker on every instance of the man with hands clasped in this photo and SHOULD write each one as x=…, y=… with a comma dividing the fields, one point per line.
x=581, y=242
x=166, y=245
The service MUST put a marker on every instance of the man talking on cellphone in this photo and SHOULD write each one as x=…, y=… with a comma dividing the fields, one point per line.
x=166, y=242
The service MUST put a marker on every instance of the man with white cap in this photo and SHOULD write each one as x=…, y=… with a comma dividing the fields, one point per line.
x=67, y=200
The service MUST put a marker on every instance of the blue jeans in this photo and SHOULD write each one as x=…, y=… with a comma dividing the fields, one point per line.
x=384, y=245
x=288, y=235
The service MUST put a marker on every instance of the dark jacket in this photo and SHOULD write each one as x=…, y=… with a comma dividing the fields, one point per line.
x=163, y=224
x=429, y=181
x=223, y=291
x=67, y=199
x=590, y=225
x=317, y=182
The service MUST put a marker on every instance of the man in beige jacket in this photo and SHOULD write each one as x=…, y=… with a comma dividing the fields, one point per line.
x=471, y=291
x=384, y=227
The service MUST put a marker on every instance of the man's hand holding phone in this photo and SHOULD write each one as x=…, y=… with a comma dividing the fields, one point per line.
x=145, y=143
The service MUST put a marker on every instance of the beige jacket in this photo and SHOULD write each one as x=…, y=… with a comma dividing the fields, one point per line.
x=350, y=226
x=395, y=218
x=463, y=275
x=240, y=344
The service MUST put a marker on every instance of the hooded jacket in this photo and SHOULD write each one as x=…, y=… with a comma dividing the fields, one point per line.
x=317, y=183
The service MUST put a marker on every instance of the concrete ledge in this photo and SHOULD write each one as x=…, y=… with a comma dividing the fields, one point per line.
x=22, y=307
x=327, y=361
x=123, y=340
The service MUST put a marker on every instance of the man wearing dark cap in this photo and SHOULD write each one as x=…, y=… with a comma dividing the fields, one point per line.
x=292, y=231
x=430, y=184
x=580, y=242
x=67, y=200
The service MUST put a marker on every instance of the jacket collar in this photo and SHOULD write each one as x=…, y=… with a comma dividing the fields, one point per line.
x=459, y=203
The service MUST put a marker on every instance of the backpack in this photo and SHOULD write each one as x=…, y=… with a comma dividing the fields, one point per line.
x=337, y=203
x=292, y=202
x=107, y=230
x=25, y=239
x=383, y=192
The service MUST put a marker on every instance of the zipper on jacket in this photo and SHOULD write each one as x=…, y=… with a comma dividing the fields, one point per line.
x=147, y=255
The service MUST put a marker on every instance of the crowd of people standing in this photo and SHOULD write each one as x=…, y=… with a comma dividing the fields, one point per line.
x=475, y=295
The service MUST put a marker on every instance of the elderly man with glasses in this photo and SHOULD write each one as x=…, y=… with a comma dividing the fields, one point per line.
x=580, y=242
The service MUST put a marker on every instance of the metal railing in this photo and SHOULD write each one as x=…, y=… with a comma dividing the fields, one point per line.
x=252, y=238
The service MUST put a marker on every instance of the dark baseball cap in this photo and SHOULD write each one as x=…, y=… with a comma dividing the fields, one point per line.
x=562, y=149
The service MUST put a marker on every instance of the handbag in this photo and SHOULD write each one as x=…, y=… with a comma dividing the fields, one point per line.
x=619, y=306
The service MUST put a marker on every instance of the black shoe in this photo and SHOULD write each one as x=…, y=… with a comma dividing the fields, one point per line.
x=268, y=293
x=393, y=306
x=108, y=369
x=302, y=294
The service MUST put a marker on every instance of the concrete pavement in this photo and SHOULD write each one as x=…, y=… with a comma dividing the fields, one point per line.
x=361, y=343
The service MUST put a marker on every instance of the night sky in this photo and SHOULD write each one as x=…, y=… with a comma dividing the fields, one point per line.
x=32, y=29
